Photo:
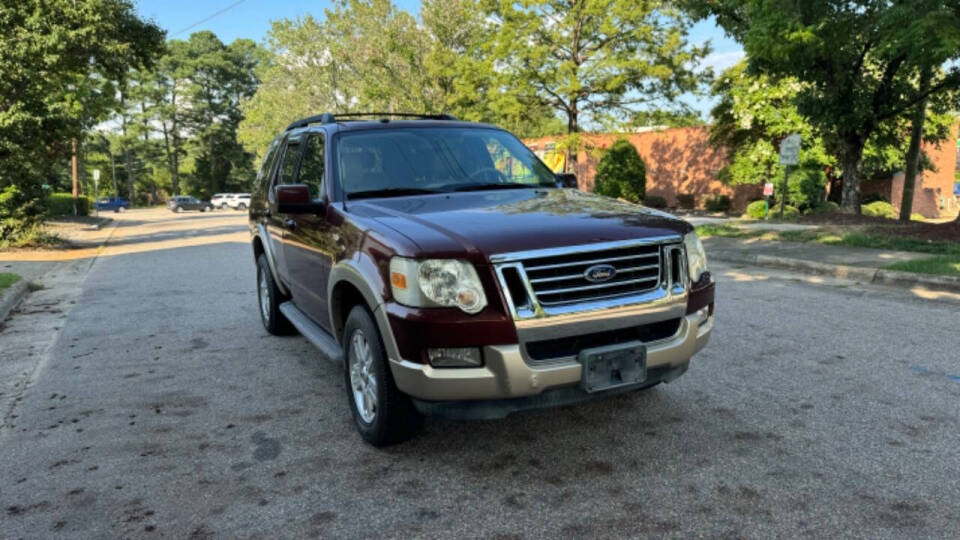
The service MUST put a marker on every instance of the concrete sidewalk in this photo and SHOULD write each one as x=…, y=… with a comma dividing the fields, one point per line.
x=860, y=264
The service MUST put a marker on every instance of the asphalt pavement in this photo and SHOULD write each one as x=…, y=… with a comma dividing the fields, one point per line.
x=142, y=398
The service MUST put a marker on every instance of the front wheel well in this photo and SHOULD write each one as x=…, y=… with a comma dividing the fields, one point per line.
x=344, y=297
x=257, y=247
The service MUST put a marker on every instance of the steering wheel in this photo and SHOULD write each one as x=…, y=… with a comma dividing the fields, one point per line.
x=500, y=175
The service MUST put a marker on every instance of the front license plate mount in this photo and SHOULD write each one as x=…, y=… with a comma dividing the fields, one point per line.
x=613, y=366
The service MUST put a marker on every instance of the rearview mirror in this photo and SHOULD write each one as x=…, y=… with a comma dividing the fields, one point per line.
x=295, y=199
x=567, y=180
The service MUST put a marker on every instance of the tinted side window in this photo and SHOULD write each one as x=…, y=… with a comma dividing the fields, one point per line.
x=311, y=168
x=288, y=167
x=267, y=164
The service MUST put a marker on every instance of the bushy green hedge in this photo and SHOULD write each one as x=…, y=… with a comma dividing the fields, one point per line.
x=826, y=207
x=19, y=211
x=717, y=203
x=686, y=200
x=621, y=173
x=756, y=209
x=655, y=201
x=61, y=204
x=879, y=209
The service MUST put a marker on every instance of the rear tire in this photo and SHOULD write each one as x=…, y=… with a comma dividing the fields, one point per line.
x=269, y=299
x=241, y=206
x=178, y=209
x=391, y=418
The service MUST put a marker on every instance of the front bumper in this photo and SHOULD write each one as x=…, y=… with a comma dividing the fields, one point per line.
x=506, y=375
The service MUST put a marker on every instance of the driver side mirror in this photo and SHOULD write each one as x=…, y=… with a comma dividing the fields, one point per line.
x=295, y=199
x=567, y=180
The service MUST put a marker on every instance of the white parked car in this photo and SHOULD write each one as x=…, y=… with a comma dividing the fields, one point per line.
x=220, y=200
x=239, y=201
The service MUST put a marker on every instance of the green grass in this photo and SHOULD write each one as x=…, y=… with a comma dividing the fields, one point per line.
x=871, y=240
x=7, y=279
x=945, y=265
x=726, y=231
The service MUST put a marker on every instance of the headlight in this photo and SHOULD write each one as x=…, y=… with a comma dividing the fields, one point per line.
x=696, y=256
x=436, y=283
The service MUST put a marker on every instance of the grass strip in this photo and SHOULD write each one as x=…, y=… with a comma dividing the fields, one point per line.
x=7, y=279
x=944, y=266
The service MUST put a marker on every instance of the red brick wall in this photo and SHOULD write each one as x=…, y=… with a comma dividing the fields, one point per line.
x=678, y=160
x=933, y=193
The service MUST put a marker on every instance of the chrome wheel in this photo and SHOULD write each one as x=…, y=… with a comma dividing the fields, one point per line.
x=363, y=380
x=264, y=287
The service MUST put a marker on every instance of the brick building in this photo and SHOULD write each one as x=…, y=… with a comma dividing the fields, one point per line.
x=682, y=161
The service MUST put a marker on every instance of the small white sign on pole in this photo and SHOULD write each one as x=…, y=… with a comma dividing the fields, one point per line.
x=790, y=150
x=96, y=174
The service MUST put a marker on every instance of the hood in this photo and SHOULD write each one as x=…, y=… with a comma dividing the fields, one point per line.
x=491, y=222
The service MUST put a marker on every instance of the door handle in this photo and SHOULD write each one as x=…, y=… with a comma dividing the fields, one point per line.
x=290, y=224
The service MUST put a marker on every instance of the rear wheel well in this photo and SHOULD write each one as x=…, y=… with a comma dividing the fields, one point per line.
x=257, y=247
x=344, y=297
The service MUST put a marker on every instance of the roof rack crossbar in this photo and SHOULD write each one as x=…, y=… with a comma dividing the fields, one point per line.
x=329, y=118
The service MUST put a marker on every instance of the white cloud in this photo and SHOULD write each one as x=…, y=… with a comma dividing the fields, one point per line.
x=721, y=61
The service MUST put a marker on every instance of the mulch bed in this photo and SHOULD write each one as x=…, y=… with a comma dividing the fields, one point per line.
x=935, y=232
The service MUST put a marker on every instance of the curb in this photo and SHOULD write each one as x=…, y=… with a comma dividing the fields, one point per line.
x=859, y=273
x=12, y=298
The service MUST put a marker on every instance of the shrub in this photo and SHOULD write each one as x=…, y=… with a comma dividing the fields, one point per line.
x=805, y=187
x=789, y=212
x=917, y=217
x=879, y=209
x=826, y=207
x=621, y=173
x=655, y=201
x=872, y=198
x=756, y=209
x=61, y=204
x=19, y=211
x=717, y=203
x=686, y=200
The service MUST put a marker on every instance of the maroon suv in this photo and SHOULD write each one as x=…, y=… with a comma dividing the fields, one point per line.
x=454, y=274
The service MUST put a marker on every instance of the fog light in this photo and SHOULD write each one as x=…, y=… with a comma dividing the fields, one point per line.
x=455, y=357
x=702, y=315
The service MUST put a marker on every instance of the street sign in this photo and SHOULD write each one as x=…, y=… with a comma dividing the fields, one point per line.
x=790, y=150
x=768, y=189
x=96, y=174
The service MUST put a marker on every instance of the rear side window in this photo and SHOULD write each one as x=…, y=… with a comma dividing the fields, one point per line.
x=288, y=167
x=267, y=165
x=311, y=168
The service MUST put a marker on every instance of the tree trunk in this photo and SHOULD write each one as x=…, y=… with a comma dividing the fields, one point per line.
x=913, y=152
x=573, y=127
x=851, y=159
x=130, y=180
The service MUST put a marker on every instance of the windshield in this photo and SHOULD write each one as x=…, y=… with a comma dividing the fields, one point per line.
x=407, y=161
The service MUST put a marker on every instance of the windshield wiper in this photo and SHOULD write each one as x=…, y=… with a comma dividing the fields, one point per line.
x=390, y=192
x=497, y=185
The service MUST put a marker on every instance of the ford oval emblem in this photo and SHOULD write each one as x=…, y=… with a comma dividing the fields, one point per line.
x=599, y=272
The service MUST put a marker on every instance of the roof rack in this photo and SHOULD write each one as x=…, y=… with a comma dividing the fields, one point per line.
x=329, y=118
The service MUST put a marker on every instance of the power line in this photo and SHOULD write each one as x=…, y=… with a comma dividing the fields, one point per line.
x=198, y=23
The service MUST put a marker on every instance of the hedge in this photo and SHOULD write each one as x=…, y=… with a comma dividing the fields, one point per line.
x=61, y=204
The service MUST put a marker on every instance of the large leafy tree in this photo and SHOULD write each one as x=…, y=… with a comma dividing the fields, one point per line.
x=584, y=58
x=60, y=61
x=859, y=61
x=755, y=112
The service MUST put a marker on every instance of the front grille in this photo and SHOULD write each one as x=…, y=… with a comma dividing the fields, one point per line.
x=539, y=352
x=561, y=279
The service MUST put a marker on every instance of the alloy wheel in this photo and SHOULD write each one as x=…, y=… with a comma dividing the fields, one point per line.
x=363, y=380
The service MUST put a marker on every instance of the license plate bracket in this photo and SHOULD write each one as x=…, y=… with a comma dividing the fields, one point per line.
x=613, y=366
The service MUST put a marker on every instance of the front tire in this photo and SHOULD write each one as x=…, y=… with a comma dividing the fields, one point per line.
x=241, y=206
x=178, y=209
x=381, y=412
x=269, y=299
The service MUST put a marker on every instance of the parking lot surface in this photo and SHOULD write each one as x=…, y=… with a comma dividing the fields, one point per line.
x=142, y=398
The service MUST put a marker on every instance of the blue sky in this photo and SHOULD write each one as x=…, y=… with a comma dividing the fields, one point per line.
x=251, y=19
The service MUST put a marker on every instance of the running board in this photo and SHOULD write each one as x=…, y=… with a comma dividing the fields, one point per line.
x=320, y=338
